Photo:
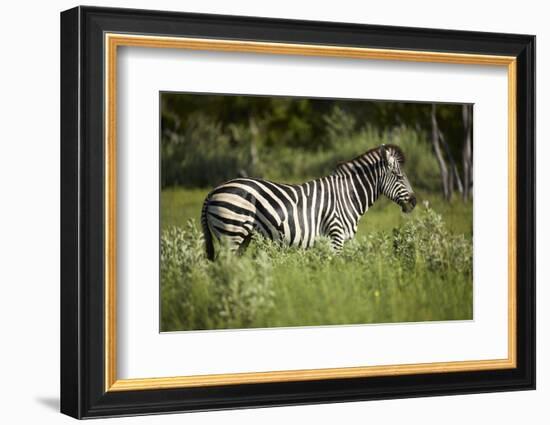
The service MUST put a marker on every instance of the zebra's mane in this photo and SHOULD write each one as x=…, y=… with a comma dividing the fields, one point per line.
x=376, y=153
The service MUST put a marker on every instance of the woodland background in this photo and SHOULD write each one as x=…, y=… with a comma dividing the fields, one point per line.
x=297, y=138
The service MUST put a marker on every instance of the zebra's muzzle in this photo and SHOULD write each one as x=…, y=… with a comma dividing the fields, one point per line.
x=408, y=205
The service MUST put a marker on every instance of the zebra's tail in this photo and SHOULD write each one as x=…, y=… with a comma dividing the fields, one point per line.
x=206, y=231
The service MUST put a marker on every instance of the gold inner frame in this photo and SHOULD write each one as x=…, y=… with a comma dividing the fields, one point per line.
x=113, y=41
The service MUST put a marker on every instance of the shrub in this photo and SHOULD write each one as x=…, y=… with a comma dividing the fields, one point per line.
x=426, y=239
x=419, y=271
x=199, y=294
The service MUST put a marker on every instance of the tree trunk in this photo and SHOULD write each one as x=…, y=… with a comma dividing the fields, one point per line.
x=454, y=176
x=467, y=154
x=439, y=155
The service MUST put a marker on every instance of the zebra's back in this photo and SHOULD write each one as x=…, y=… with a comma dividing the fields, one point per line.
x=281, y=212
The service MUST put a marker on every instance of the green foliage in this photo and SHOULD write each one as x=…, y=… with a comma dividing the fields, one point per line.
x=426, y=239
x=339, y=125
x=201, y=155
x=416, y=272
x=198, y=294
x=296, y=165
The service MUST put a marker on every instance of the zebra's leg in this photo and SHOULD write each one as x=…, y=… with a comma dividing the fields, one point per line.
x=336, y=235
x=230, y=239
x=337, y=244
x=244, y=244
x=248, y=227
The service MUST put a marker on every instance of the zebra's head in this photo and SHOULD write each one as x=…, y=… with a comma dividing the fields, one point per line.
x=394, y=183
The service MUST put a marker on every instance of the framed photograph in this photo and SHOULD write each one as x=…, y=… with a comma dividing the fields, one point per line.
x=261, y=212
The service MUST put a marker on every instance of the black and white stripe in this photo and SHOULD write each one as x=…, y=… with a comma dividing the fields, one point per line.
x=297, y=214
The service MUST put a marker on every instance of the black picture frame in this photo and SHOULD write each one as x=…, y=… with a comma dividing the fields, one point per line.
x=83, y=392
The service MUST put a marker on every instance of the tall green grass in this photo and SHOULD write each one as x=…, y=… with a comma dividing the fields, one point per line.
x=417, y=271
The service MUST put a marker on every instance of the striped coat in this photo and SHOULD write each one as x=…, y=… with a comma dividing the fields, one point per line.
x=297, y=214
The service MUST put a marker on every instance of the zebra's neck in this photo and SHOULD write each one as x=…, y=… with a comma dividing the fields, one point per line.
x=361, y=182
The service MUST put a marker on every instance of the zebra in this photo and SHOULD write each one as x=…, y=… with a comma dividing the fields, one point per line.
x=298, y=214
